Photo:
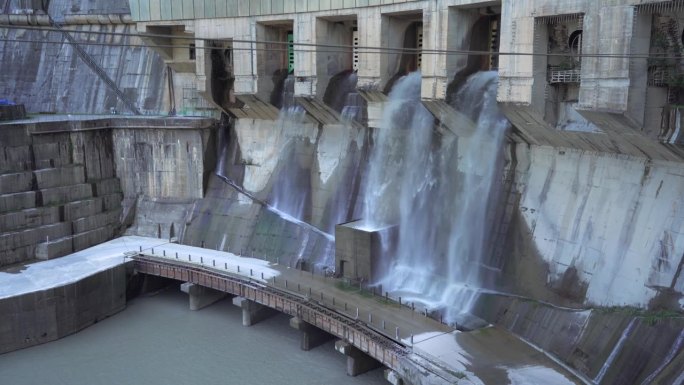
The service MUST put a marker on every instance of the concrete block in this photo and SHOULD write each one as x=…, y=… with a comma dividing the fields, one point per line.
x=35, y=217
x=358, y=362
x=57, y=177
x=83, y=208
x=200, y=296
x=112, y=202
x=17, y=201
x=93, y=237
x=10, y=241
x=311, y=336
x=106, y=187
x=253, y=312
x=15, y=159
x=22, y=254
x=60, y=195
x=55, y=249
x=16, y=182
x=82, y=225
x=54, y=154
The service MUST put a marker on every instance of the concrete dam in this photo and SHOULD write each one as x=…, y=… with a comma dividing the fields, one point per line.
x=451, y=191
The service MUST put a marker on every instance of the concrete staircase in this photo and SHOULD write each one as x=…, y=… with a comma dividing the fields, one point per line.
x=58, y=194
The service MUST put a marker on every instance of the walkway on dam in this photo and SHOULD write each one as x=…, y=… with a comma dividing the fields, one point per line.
x=489, y=355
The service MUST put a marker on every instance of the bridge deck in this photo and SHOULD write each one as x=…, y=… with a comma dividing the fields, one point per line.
x=388, y=332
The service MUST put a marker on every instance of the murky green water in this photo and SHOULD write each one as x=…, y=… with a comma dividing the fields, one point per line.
x=158, y=340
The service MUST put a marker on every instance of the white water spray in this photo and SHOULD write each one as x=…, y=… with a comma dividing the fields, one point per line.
x=438, y=191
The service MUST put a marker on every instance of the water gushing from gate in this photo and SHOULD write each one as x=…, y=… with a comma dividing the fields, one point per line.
x=437, y=189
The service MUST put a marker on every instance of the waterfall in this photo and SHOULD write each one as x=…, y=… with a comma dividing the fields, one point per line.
x=437, y=189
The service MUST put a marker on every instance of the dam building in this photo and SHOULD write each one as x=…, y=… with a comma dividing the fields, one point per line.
x=456, y=191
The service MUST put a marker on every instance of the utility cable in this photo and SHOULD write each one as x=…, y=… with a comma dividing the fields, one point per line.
x=336, y=47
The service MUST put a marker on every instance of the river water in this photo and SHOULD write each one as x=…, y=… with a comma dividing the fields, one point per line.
x=158, y=340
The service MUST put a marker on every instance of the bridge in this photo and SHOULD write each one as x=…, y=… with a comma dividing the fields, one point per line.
x=372, y=330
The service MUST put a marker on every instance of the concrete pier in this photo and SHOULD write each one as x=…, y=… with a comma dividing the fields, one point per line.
x=358, y=362
x=200, y=296
x=311, y=336
x=253, y=312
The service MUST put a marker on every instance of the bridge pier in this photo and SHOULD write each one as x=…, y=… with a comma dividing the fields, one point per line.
x=253, y=312
x=200, y=296
x=358, y=362
x=311, y=336
x=394, y=378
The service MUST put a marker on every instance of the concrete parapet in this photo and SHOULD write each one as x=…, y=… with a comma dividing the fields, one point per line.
x=17, y=201
x=58, y=177
x=253, y=312
x=93, y=237
x=106, y=187
x=200, y=296
x=60, y=195
x=35, y=217
x=82, y=208
x=311, y=336
x=55, y=249
x=358, y=362
x=16, y=182
x=94, y=221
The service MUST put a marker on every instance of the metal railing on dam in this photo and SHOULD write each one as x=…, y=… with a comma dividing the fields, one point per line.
x=366, y=338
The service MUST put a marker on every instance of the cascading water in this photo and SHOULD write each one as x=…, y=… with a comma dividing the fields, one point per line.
x=437, y=190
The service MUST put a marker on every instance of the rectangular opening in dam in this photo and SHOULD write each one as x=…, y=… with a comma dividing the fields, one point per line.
x=402, y=33
x=276, y=53
x=338, y=34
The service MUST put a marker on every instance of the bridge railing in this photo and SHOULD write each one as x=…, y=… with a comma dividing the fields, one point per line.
x=268, y=277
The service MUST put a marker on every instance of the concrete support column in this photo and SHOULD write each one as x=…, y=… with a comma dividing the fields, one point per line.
x=311, y=335
x=394, y=378
x=253, y=312
x=358, y=362
x=371, y=64
x=200, y=296
x=244, y=56
x=305, y=56
x=435, y=78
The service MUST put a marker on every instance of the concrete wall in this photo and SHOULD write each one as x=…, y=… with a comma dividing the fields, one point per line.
x=47, y=315
x=605, y=227
x=60, y=192
x=46, y=75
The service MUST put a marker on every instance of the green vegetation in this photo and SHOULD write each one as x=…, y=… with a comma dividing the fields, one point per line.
x=650, y=317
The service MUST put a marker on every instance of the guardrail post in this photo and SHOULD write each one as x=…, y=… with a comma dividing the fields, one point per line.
x=213, y=262
x=357, y=313
x=140, y=248
x=189, y=257
x=225, y=265
x=250, y=272
x=202, y=260
x=383, y=324
x=370, y=317
x=164, y=253
x=176, y=255
x=262, y=275
x=399, y=301
x=238, y=268
x=153, y=251
x=396, y=332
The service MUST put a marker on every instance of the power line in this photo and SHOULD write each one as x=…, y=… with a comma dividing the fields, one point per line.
x=333, y=48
